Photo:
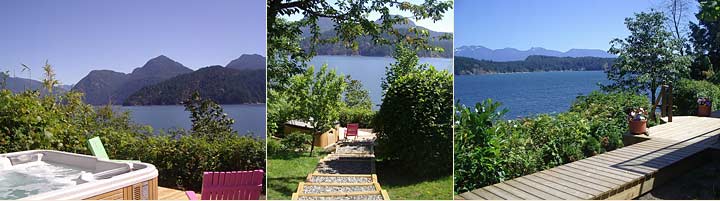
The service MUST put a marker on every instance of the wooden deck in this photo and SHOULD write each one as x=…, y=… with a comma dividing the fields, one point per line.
x=172, y=194
x=625, y=173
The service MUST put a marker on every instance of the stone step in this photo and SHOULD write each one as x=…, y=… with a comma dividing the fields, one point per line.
x=382, y=195
x=341, y=178
x=335, y=188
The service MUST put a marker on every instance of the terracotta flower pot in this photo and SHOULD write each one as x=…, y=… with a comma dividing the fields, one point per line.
x=638, y=127
x=704, y=110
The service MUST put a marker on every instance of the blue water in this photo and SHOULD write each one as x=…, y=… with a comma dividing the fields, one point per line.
x=249, y=119
x=528, y=94
x=370, y=70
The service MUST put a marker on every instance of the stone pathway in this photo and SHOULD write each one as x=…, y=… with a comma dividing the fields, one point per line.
x=346, y=174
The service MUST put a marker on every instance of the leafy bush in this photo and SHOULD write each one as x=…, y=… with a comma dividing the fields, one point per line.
x=686, y=92
x=362, y=116
x=296, y=141
x=274, y=146
x=30, y=121
x=414, y=125
x=489, y=151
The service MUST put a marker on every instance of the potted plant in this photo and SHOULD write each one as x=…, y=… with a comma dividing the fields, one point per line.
x=704, y=107
x=637, y=120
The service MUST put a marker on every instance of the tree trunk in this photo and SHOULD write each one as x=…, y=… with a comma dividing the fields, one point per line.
x=312, y=145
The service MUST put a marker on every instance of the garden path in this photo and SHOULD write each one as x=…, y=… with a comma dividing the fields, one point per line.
x=346, y=174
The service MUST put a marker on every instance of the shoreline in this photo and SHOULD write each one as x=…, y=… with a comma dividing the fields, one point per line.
x=524, y=72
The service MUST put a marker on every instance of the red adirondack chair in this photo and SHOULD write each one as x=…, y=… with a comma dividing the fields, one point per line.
x=352, y=130
x=236, y=185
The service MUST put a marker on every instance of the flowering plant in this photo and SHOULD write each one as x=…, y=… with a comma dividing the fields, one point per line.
x=637, y=114
x=704, y=101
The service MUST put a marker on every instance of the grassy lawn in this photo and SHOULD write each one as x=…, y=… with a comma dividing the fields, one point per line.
x=401, y=186
x=286, y=170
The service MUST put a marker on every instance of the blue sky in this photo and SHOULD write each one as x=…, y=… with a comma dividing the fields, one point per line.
x=77, y=36
x=552, y=24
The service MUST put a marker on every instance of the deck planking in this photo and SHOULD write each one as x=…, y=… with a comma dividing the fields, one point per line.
x=623, y=173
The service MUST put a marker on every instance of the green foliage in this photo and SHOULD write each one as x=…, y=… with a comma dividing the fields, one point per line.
x=706, y=42
x=316, y=98
x=363, y=117
x=488, y=150
x=279, y=111
x=367, y=47
x=534, y=63
x=648, y=58
x=358, y=106
x=274, y=146
x=296, y=141
x=30, y=121
x=208, y=118
x=414, y=124
x=709, y=10
x=405, y=62
x=356, y=96
x=686, y=92
x=351, y=21
x=478, y=146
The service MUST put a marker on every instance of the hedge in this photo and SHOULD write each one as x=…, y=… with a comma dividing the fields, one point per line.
x=63, y=122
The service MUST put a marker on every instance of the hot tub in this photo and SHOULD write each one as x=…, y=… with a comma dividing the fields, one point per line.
x=56, y=175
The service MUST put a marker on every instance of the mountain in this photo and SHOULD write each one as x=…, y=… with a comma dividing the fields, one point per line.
x=106, y=86
x=512, y=54
x=247, y=61
x=534, y=63
x=366, y=46
x=17, y=85
x=221, y=84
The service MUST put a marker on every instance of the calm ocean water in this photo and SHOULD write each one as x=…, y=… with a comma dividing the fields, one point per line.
x=249, y=119
x=527, y=94
x=370, y=70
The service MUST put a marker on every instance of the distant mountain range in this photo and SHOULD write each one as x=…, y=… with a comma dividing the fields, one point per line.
x=17, y=85
x=365, y=45
x=533, y=63
x=105, y=86
x=511, y=54
x=221, y=84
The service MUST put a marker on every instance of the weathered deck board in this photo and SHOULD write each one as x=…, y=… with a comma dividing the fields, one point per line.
x=622, y=173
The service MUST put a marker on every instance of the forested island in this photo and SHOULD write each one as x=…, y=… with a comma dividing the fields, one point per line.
x=533, y=63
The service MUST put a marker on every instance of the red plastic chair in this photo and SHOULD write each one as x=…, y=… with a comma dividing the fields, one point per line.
x=352, y=130
x=236, y=185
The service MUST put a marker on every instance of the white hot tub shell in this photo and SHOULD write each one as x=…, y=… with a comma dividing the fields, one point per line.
x=100, y=180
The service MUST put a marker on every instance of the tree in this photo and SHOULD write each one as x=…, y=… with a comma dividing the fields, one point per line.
x=706, y=41
x=208, y=118
x=414, y=124
x=677, y=13
x=356, y=96
x=287, y=58
x=316, y=98
x=648, y=58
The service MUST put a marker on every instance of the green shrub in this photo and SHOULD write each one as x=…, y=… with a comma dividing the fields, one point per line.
x=686, y=92
x=274, y=146
x=414, y=124
x=362, y=116
x=296, y=141
x=30, y=121
x=489, y=151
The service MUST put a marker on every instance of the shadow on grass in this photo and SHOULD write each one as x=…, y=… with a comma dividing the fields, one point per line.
x=289, y=155
x=390, y=175
x=286, y=186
